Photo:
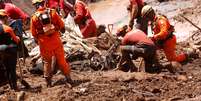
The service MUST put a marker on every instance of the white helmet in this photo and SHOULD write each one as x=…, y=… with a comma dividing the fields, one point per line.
x=146, y=10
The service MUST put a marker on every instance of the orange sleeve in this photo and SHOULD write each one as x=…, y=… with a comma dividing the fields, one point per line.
x=12, y=34
x=33, y=28
x=80, y=12
x=163, y=26
x=57, y=20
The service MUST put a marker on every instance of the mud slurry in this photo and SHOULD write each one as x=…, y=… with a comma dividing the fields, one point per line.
x=121, y=86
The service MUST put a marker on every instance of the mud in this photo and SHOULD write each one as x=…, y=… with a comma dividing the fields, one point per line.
x=111, y=85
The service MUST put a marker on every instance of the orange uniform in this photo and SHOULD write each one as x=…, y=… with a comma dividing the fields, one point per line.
x=9, y=30
x=50, y=45
x=83, y=18
x=164, y=38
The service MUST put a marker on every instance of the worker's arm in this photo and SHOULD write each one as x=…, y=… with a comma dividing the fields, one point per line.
x=33, y=28
x=164, y=27
x=80, y=13
x=9, y=30
x=19, y=13
x=133, y=13
x=58, y=21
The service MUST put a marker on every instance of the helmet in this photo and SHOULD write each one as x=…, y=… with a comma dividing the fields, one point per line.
x=121, y=29
x=37, y=1
x=3, y=12
x=146, y=10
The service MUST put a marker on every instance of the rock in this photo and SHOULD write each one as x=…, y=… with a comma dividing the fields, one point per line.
x=182, y=78
x=83, y=90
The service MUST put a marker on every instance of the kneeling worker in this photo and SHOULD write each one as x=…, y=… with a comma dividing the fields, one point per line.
x=137, y=44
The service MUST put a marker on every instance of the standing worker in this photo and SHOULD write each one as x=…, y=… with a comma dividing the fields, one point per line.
x=137, y=44
x=18, y=20
x=134, y=9
x=163, y=34
x=84, y=19
x=8, y=45
x=45, y=27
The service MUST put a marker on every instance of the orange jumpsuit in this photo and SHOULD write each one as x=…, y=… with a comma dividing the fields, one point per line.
x=162, y=29
x=83, y=18
x=50, y=45
x=11, y=33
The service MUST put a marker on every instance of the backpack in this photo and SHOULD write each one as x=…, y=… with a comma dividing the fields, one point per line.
x=45, y=22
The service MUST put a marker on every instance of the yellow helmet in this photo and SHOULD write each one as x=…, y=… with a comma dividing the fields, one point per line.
x=3, y=12
x=146, y=10
x=36, y=1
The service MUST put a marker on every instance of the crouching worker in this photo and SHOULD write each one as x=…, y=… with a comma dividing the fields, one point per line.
x=8, y=50
x=137, y=44
x=163, y=35
x=45, y=27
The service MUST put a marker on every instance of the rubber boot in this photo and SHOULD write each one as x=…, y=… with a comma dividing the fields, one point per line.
x=68, y=80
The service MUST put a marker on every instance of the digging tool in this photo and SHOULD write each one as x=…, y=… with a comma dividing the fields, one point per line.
x=110, y=29
x=21, y=74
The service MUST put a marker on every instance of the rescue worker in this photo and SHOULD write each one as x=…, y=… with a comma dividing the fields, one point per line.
x=137, y=44
x=45, y=27
x=134, y=9
x=163, y=34
x=8, y=47
x=17, y=20
x=84, y=19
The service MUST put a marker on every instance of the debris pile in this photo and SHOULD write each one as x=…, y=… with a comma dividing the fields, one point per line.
x=97, y=53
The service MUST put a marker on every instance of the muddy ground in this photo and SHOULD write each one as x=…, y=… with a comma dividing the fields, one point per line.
x=121, y=86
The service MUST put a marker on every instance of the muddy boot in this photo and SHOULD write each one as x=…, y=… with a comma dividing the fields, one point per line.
x=68, y=80
x=173, y=67
x=48, y=81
